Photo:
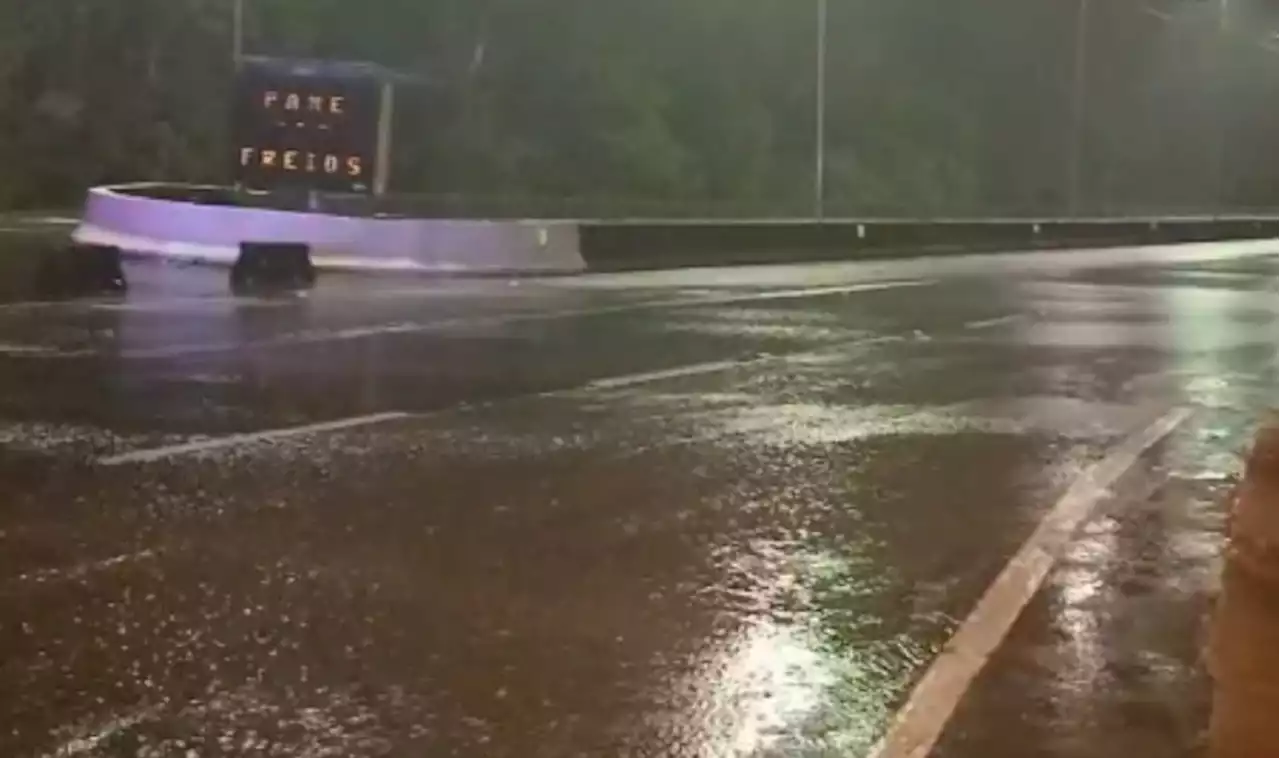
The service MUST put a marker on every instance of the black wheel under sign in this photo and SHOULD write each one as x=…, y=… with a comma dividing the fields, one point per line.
x=309, y=131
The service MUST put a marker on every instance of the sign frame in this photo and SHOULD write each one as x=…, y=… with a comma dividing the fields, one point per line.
x=313, y=126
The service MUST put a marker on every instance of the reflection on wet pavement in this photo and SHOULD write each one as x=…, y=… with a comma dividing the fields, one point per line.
x=756, y=559
x=1108, y=660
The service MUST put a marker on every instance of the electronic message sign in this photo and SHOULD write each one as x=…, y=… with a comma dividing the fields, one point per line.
x=310, y=131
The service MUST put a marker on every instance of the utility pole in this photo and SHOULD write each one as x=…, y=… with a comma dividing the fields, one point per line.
x=1078, y=90
x=820, y=114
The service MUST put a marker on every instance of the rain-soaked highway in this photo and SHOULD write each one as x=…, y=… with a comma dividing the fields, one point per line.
x=731, y=512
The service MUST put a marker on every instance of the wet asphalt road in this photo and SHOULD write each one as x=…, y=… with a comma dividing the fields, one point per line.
x=696, y=513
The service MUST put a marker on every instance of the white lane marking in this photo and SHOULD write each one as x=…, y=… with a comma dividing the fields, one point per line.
x=986, y=323
x=218, y=301
x=918, y=724
x=800, y=292
x=190, y=304
x=80, y=569
x=607, y=383
x=513, y=318
x=31, y=224
x=710, y=367
x=352, y=333
x=89, y=742
x=13, y=348
x=50, y=354
x=149, y=304
x=246, y=438
x=24, y=305
x=628, y=380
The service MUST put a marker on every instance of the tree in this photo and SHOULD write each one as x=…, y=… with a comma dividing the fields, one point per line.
x=665, y=106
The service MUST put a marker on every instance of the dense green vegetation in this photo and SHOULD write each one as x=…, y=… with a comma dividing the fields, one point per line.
x=642, y=106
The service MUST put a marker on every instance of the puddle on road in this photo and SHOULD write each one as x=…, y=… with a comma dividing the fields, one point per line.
x=772, y=603
x=810, y=672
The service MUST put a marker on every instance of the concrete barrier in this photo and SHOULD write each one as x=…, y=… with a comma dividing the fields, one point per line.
x=204, y=226
x=208, y=224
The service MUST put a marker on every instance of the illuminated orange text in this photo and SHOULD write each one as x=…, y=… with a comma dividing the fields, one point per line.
x=293, y=102
x=302, y=160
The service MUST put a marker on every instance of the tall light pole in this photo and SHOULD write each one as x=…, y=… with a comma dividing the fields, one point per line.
x=820, y=113
x=1079, y=71
x=237, y=31
x=1222, y=73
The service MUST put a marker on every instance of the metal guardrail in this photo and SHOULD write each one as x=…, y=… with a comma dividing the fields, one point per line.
x=609, y=245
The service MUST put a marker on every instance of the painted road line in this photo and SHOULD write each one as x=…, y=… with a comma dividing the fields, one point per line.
x=30, y=305
x=336, y=335
x=90, y=741
x=987, y=323
x=248, y=438
x=213, y=301
x=608, y=383
x=34, y=224
x=71, y=573
x=463, y=322
x=194, y=304
x=711, y=367
x=150, y=304
x=802, y=292
x=918, y=724
x=644, y=377
x=43, y=351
